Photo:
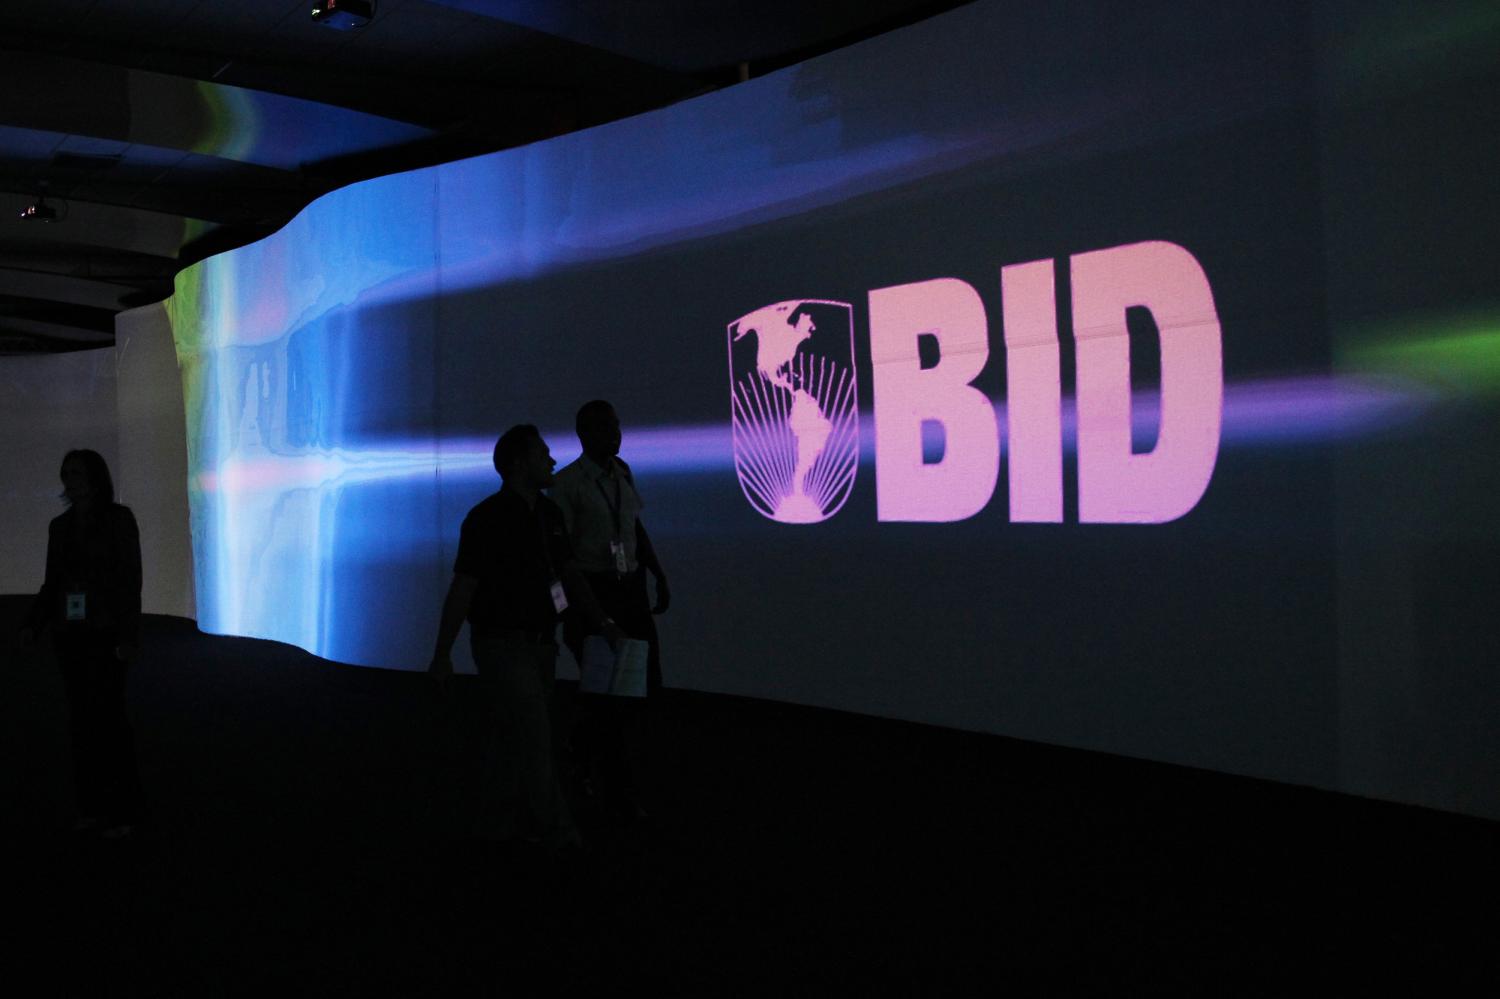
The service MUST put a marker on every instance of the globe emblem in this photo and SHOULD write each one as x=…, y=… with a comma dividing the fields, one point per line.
x=794, y=408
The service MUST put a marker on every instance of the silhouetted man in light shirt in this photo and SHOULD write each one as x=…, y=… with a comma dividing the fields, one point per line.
x=602, y=509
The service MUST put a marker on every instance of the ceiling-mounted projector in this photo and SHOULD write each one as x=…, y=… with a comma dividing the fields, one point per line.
x=39, y=211
x=343, y=14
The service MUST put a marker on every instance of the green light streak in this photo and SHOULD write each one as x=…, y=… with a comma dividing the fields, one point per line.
x=1458, y=355
x=232, y=122
x=187, y=337
x=1384, y=48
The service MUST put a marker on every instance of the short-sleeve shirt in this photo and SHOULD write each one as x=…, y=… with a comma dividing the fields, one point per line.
x=516, y=553
x=601, y=506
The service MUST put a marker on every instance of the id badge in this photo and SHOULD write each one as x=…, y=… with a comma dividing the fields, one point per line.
x=76, y=607
x=559, y=598
x=617, y=549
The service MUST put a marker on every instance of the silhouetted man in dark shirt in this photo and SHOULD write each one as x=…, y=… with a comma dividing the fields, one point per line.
x=513, y=577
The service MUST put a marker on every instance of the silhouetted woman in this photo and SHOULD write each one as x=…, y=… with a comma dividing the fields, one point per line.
x=91, y=600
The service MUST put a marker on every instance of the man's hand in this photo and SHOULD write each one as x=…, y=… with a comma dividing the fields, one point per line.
x=455, y=609
x=441, y=670
x=613, y=635
x=663, y=595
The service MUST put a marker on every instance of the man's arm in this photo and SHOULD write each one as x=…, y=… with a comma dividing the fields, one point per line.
x=455, y=609
x=645, y=553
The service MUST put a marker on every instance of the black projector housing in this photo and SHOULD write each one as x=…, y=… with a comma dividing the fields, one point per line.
x=343, y=14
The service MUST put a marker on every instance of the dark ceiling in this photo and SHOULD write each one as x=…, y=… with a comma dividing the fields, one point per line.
x=163, y=131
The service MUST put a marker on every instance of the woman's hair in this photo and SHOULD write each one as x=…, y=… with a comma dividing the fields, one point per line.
x=98, y=472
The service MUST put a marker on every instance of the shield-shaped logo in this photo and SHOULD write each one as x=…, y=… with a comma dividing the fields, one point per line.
x=794, y=408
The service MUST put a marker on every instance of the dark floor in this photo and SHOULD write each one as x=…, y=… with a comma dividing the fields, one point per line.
x=308, y=837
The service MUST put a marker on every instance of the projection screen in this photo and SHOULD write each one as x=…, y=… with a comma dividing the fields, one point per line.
x=993, y=373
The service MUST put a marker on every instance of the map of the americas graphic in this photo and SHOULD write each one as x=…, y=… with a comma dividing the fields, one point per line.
x=792, y=391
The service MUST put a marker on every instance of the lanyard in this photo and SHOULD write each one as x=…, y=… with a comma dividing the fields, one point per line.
x=541, y=524
x=614, y=507
x=554, y=584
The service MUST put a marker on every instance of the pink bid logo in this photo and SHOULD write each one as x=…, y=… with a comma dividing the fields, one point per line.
x=796, y=417
x=795, y=412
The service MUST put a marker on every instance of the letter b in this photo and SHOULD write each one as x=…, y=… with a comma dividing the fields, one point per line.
x=907, y=395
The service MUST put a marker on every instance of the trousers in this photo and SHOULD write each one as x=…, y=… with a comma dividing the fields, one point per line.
x=105, y=778
x=523, y=798
x=610, y=733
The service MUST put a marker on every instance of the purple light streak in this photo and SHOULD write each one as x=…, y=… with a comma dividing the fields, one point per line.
x=1303, y=410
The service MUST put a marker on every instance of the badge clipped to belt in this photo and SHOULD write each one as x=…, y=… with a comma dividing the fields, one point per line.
x=76, y=607
x=617, y=549
x=559, y=598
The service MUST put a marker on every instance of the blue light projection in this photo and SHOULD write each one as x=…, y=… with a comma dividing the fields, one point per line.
x=346, y=377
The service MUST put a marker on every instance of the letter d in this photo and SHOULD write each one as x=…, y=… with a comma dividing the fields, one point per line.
x=907, y=395
x=1116, y=486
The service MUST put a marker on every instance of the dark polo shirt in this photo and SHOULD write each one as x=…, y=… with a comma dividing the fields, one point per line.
x=516, y=552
